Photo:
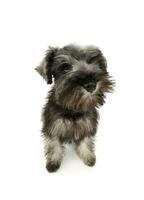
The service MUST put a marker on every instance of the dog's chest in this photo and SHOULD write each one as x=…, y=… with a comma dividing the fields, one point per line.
x=72, y=130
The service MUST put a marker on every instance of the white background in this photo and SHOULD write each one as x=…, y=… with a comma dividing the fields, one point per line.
x=27, y=28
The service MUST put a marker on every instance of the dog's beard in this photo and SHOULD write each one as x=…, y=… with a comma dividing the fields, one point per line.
x=76, y=98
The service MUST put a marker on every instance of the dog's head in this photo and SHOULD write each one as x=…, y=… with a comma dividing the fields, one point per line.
x=80, y=75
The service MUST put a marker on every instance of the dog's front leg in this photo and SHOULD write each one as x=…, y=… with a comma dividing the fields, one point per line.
x=85, y=150
x=54, y=153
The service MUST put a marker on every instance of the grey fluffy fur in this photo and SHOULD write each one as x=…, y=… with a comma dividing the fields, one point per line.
x=71, y=115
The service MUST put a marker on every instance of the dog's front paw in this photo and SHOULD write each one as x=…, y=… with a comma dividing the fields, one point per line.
x=90, y=160
x=52, y=167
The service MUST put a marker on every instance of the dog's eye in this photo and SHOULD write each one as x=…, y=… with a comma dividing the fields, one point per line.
x=65, y=66
x=92, y=59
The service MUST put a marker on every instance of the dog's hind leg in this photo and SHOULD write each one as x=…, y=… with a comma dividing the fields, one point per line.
x=85, y=150
x=54, y=154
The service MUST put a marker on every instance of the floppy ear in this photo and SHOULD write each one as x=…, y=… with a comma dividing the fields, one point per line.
x=44, y=69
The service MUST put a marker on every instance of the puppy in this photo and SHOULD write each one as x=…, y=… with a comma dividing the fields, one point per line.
x=70, y=115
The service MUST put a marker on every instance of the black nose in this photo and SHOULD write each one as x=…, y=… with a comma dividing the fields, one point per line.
x=90, y=87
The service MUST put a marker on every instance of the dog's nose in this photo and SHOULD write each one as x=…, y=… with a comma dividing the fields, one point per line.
x=90, y=87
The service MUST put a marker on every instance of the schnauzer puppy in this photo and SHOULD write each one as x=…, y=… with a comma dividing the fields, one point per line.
x=70, y=115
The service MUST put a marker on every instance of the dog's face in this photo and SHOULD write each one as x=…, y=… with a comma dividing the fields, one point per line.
x=80, y=76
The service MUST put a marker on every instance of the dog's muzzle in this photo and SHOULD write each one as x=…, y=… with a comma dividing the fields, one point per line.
x=90, y=86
